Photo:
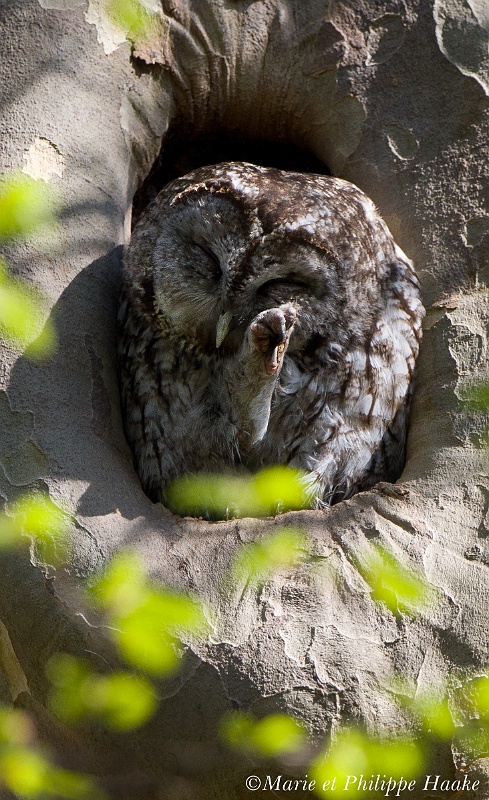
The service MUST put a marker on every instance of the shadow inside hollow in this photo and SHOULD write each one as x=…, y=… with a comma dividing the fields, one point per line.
x=180, y=155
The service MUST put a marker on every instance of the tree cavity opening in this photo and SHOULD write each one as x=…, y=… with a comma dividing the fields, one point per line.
x=180, y=155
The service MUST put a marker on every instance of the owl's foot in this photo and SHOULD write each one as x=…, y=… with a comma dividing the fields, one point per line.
x=253, y=373
x=270, y=333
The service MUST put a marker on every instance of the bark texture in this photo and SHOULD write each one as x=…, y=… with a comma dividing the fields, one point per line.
x=390, y=95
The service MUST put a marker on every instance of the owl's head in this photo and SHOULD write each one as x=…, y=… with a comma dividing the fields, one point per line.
x=226, y=242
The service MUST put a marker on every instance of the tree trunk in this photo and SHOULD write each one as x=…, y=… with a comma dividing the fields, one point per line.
x=389, y=95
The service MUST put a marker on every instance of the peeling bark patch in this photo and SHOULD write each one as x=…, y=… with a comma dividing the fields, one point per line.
x=10, y=665
x=101, y=421
x=401, y=141
x=143, y=123
x=319, y=707
x=43, y=160
x=156, y=45
x=462, y=33
x=345, y=130
x=484, y=525
x=61, y=5
x=466, y=348
x=25, y=465
x=475, y=230
x=109, y=34
x=324, y=51
x=16, y=427
x=386, y=36
x=112, y=32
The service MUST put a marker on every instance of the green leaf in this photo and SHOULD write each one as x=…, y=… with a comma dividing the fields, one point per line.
x=396, y=757
x=69, y=677
x=354, y=754
x=279, y=489
x=121, y=700
x=147, y=636
x=392, y=583
x=479, y=693
x=24, y=771
x=39, y=516
x=121, y=588
x=212, y=496
x=277, y=735
x=280, y=550
x=145, y=620
x=15, y=727
x=434, y=714
x=21, y=313
x=348, y=755
x=124, y=701
x=25, y=205
x=147, y=648
x=29, y=775
x=270, y=491
x=36, y=516
x=71, y=786
x=272, y=736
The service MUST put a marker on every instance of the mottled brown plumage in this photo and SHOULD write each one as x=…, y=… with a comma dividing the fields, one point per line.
x=267, y=317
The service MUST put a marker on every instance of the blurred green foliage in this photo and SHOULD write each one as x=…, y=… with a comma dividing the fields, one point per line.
x=36, y=516
x=475, y=734
x=355, y=753
x=27, y=772
x=434, y=715
x=479, y=694
x=270, y=491
x=273, y=736
x=391, y=583
x=15, y=727
x=258, y=561
x=132, y=17
x=145, y=620
x=20, y=313
x=26, y=205
x=121, y=700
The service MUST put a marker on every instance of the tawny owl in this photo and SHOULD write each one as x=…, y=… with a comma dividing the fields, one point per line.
x=267, y=317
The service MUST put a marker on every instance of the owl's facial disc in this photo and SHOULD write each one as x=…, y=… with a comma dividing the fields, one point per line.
x=211, y=259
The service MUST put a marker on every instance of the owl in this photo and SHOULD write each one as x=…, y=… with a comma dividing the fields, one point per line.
x=267, y=317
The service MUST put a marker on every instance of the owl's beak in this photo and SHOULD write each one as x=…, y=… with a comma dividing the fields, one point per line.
x=222, y=327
